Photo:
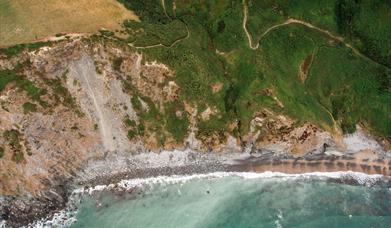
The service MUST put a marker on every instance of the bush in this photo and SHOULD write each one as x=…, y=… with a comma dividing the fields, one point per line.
x=117, y=63
x=29, y=107
x=131, y=134
x=176, y=125
x=14, y=50
x=13, y=138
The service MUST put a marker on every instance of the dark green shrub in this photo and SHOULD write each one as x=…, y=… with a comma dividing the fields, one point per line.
x=13, y=139
x=29, y=107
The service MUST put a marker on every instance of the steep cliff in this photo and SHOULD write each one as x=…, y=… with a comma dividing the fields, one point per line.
x=206, y=76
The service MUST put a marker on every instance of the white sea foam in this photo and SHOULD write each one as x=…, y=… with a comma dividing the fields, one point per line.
x=66, y=217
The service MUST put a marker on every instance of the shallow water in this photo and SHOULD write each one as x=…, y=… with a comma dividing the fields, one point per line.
x=233, y=201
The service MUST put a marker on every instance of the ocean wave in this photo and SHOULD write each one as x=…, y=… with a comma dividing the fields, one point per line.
x=67, y=216
x=360, y=178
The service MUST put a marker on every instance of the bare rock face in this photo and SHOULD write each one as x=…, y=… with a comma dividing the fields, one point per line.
x=102, y=100
x=79, y=117
x=34, y=151
x=272, y=131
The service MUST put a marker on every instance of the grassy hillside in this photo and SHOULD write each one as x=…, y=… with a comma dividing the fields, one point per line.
x=23, y=21
x=325, y=63
x=346, y=78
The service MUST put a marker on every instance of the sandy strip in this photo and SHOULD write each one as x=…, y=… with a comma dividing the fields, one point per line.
x=355, y=164
x=289, y=166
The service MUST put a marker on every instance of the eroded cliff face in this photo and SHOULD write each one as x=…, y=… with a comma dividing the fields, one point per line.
x=77, y=101
x=80, y=115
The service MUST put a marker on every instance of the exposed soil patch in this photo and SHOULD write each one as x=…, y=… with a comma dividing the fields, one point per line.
x=304, y=67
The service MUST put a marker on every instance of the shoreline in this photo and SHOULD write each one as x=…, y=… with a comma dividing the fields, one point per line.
x=304, y=165
x=130, y=188
x=185, y=163
x=178, y=163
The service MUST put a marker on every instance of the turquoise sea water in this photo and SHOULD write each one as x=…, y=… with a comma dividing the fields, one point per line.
x=234, y=201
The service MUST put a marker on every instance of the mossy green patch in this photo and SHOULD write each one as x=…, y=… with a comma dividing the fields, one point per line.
x=117, y=63
x=13, y=50
x=1, y=152
x=13, y=139
x=177, y=121
x=5, y=78
x=151, y=119
x=29, y=107
x=130, y=123
x=61, y=94
x=131, y=134
x=211, y=127
x=8, y=76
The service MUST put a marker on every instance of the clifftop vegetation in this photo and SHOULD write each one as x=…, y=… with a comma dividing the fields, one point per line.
x=326, y=63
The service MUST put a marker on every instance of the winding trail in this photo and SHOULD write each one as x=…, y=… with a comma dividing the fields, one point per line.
x=161, y=44
x=164, y=8
x=295, y=21
x=287, y=22
x=308, y=25
x=245, y=12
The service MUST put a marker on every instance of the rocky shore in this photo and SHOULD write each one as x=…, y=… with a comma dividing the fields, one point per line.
x=16, y=211
x=79, y=113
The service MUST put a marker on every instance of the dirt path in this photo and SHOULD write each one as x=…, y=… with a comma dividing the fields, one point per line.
x=164, y=8
x=287, y=22
x=295, y=21
x=245, y=12
x=163, y=45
